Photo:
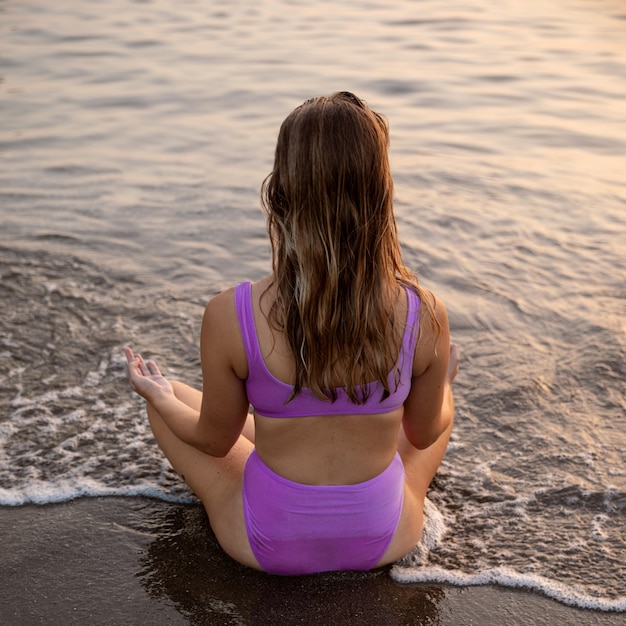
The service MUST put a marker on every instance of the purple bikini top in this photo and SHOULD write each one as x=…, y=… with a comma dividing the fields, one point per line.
x=269, y=396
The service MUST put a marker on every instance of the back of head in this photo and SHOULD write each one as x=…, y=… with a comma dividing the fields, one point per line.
x=336, y=256
x=331, y=186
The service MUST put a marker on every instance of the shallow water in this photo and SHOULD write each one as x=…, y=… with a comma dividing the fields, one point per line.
x=133, y=141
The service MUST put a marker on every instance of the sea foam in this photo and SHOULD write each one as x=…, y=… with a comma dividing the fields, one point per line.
x=507, y=577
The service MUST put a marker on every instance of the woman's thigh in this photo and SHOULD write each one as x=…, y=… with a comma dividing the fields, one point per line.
x=215, y=481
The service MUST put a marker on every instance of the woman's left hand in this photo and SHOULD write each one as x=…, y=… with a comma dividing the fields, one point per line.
x=145, y=377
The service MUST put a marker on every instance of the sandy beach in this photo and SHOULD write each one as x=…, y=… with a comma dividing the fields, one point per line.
x=141, y=561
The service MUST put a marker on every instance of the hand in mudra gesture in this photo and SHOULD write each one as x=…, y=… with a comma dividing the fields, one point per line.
x=145, y=377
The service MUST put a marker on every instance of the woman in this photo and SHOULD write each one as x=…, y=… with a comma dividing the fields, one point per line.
x=344, y=357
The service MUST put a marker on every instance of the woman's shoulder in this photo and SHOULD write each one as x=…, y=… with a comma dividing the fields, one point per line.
x=433, y=312
x=221, y=335
x=220, y=306
x=221, y=309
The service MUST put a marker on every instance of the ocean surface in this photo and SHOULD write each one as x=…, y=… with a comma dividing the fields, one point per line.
x=134, y=136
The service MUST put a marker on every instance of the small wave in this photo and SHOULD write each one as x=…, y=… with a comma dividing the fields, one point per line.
x=57, y=237
x=508, y=578
x=610, y=499
x=41, y=493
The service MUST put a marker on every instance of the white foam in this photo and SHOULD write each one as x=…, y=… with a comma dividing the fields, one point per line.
x=435, y=527
x=432, y=535
x=598, y=531
x=46, y=398
x=507, y=577
x=41, y=492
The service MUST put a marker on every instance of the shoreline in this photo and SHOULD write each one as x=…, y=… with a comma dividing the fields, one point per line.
x=134, y=560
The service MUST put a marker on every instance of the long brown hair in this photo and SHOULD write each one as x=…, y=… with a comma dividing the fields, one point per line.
x=336, y=257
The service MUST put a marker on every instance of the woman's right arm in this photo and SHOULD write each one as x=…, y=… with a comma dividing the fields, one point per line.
x=429, y=408
x=217, y=426
x=224, y=369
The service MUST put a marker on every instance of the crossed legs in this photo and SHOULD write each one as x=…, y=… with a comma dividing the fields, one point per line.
x=216, y=481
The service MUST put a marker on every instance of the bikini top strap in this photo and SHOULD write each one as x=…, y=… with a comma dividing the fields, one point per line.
x=245, y=315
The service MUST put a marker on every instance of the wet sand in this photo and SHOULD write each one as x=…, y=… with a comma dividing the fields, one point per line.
x=141, y=561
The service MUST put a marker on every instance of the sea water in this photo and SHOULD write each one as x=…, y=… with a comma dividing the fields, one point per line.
x=134, y=137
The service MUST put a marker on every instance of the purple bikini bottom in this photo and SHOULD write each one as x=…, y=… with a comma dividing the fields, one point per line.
x=303, y=529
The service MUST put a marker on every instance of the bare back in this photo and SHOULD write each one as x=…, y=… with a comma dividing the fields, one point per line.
x=325, y=449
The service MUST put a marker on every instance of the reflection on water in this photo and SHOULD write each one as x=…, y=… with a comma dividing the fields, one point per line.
x=185, y=564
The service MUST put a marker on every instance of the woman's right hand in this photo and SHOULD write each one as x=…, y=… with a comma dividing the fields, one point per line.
x=145, y=377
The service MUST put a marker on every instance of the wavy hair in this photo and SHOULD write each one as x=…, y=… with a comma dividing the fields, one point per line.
x=336, y=258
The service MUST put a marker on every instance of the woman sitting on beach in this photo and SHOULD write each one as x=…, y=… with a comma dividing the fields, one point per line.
x=345, y=359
